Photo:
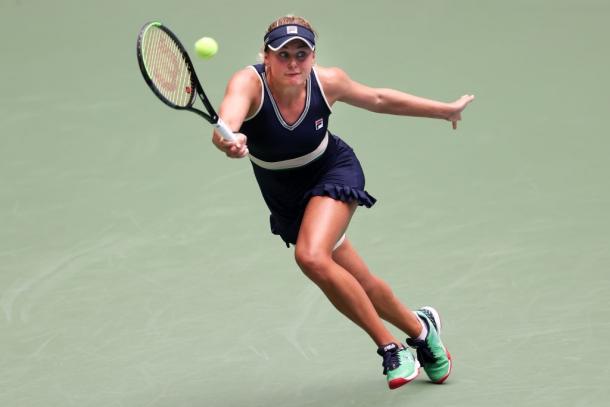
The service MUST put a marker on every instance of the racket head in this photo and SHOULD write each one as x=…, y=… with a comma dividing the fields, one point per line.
x=166, y=66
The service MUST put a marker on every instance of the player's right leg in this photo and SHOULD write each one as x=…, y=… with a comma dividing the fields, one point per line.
x=422, y=326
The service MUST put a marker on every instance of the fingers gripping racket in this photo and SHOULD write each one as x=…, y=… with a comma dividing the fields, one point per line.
x=169, y=72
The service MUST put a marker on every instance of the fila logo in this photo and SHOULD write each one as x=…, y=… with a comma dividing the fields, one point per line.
x=389, y=347
x=291, y=29
x=319, y=123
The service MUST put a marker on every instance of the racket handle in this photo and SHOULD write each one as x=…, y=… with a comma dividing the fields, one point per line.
x=224, y=130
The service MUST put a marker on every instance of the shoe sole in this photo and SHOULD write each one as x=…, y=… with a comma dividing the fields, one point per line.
x=401, y=381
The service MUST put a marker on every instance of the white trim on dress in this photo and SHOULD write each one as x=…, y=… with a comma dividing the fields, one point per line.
x=262, y=95
x=315, y=74
x=277, y=110
x=293, y=162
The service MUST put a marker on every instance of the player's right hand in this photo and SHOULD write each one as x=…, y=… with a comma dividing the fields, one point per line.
x=233, y=149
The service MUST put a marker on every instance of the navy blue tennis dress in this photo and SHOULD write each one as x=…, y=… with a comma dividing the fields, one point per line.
x=293, y=162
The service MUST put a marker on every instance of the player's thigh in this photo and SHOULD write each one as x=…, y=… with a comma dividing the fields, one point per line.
x=324, y=222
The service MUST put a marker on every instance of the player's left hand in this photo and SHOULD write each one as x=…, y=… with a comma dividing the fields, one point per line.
x=457, y=107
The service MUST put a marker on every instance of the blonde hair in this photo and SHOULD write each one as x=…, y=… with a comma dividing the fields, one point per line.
x=290, y=19
x=287, y=19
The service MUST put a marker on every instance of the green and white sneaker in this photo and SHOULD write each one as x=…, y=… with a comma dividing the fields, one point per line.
x=399, y=365
x=431, y=352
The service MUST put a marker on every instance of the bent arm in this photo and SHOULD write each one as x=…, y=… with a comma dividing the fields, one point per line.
x=240, y=96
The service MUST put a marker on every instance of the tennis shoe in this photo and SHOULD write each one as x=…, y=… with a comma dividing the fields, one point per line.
x=431, y=352
x=399, y=365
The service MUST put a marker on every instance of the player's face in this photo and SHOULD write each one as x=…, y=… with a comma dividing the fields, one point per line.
x=291, y=64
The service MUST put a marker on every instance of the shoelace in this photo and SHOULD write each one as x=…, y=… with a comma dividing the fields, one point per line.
x=424, y=353
x=390, y=360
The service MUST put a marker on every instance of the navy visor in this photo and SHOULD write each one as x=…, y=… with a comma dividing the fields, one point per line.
x=282, y=35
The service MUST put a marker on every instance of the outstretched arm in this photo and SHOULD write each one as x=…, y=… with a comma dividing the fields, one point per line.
x=338, y=86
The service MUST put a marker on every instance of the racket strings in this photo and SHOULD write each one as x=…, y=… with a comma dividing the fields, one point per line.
x=167, y=68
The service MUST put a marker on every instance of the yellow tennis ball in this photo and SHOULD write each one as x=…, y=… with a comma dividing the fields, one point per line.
x=206, y=47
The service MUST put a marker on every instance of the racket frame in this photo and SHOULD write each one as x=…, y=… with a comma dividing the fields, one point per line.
x=211, y=116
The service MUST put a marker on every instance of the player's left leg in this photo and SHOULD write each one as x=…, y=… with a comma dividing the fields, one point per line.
x=388, y=306
x=432, y=354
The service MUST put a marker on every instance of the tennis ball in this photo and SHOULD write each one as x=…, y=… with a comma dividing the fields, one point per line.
x=206, y=47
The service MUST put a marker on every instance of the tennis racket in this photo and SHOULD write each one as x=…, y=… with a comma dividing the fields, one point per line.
x=169, y=72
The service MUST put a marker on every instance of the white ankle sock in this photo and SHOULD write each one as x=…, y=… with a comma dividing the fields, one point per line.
x=424, y=331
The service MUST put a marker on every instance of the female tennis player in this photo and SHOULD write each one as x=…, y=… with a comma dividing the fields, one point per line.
x=312, y=183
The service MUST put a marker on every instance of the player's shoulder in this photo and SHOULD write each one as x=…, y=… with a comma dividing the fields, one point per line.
x=333, y=79
x=245, y=75
x=246, y=80
x=331, y=74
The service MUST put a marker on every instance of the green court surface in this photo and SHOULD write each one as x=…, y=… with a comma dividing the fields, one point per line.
x=136, y=265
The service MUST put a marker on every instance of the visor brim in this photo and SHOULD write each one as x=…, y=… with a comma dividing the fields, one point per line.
x=280, y=42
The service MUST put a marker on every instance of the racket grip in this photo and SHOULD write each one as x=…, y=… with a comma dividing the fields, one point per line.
x=224, y=130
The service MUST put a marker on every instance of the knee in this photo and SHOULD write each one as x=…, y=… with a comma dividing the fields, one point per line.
x=313, y=263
